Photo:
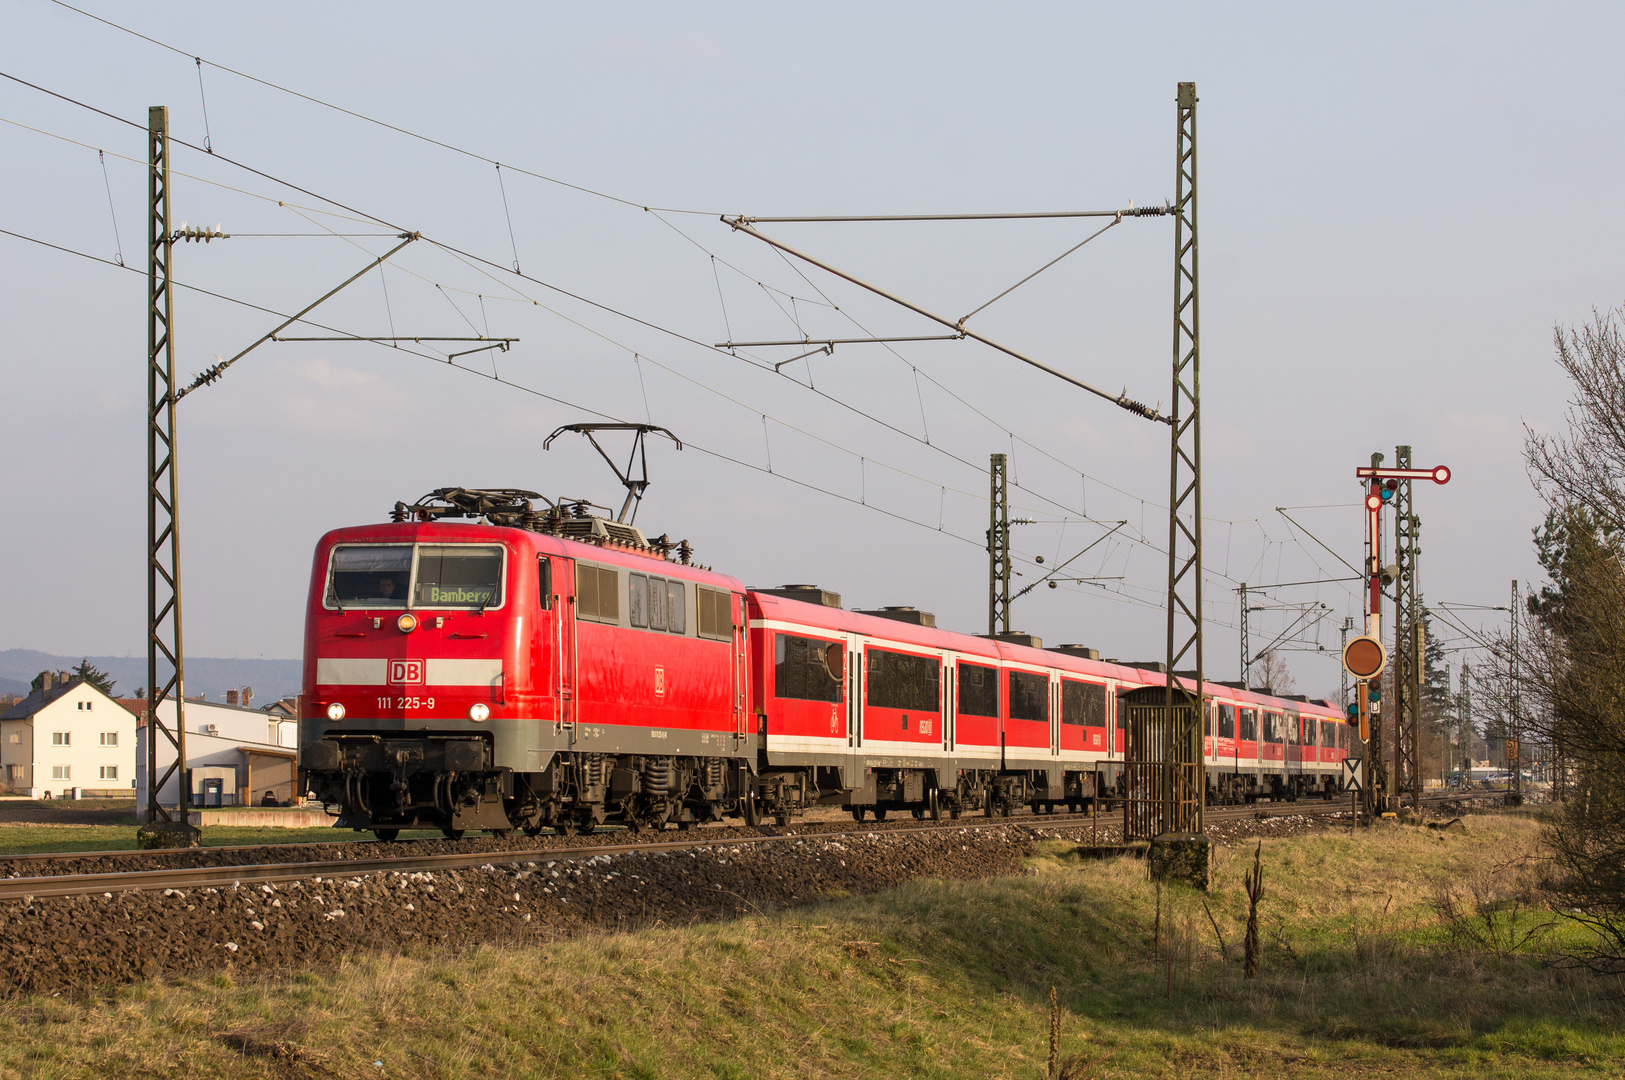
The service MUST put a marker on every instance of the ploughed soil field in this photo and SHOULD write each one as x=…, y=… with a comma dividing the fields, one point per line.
x=55, y=944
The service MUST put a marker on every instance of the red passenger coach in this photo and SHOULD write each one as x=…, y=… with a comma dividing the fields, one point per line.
x=475, y=663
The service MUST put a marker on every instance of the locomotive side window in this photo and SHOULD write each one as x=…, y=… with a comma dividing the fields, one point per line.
x=901, y=681
x=978, y=690
x=372, y=576
x=674, y=608
x=657, y=603
x=544, y=581
x=638, y=599
x=1249, y=724
x=460, y=575
x=807, y=669
x=1227, y=721
x=715, y=612
x=1029, y=696
x=598, y=593
x=1083, y=704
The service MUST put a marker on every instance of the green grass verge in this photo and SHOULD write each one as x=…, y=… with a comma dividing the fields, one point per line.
x=1370, y=967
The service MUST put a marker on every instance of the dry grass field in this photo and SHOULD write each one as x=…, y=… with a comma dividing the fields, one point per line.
x=1404, y=952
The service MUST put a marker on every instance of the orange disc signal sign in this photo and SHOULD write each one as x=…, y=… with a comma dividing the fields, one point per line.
x=1364, y=657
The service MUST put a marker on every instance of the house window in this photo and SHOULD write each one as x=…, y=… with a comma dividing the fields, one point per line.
x=109, y=738
x=14, y=773
x=60, y=772
x=16, y=736
x=61, y=738
x=109, y=772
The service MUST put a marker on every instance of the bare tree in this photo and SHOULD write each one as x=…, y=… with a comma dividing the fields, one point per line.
x=1270, y=670
x=1573, y=658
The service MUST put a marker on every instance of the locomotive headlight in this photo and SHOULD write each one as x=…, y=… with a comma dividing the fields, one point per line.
x=335, y=711
x=408, y=622
x=479, y=712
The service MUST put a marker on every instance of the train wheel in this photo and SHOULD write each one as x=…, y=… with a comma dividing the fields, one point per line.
x=857, y=813
x=953, y=812
x=880, y=814
x=533, y=830
x=684, y=826
x=564, y=827
x=502, y=834
x=753, y=816
x=782, y=818
x=1004, y=808
x=936, y=806
x=987, y=803
x=588, y=826
x=452, y=834
x=386, y=835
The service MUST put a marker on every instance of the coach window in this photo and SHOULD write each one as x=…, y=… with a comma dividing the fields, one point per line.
x=901, y=681
x=1029, y=696
x=807, y=669
x=978, y=690
x=1249, y=724
x=544, y=581
x=1292, y=729
x=1083, y=704
x=675, y=596
x=1310, y=736
x=1227, y=721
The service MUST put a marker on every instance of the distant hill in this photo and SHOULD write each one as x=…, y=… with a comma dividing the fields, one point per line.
x=210, y=675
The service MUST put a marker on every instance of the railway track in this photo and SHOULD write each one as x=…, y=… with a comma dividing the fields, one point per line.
x=193, y=877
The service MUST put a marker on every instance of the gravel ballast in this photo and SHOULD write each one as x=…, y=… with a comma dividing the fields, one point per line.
x=49, y=945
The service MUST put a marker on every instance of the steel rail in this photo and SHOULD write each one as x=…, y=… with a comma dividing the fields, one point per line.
x=22, y=888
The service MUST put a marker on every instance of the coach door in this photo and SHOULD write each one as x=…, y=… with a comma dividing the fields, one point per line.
x=950, y=703
x=855, y=667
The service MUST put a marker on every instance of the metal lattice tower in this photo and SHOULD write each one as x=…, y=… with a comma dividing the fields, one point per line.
x=1406, y=776
x=998, y=546
x=1185, y=443
x=1246, y=639
x=163, y=510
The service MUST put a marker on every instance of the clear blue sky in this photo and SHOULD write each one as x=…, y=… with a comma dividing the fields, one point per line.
x=1398, y=203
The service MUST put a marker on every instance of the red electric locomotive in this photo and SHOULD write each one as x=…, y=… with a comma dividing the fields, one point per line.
x=525, y=669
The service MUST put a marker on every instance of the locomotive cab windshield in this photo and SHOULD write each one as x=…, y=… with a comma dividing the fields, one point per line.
x=431, y=575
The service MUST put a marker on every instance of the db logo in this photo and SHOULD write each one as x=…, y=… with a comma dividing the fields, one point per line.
x=660, y=681
x=406, y=671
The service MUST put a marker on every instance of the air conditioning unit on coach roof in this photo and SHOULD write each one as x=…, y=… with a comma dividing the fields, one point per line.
x=904, y=614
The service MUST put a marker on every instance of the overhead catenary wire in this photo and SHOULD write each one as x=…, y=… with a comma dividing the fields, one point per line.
x=368, y=119
x=916, y=371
